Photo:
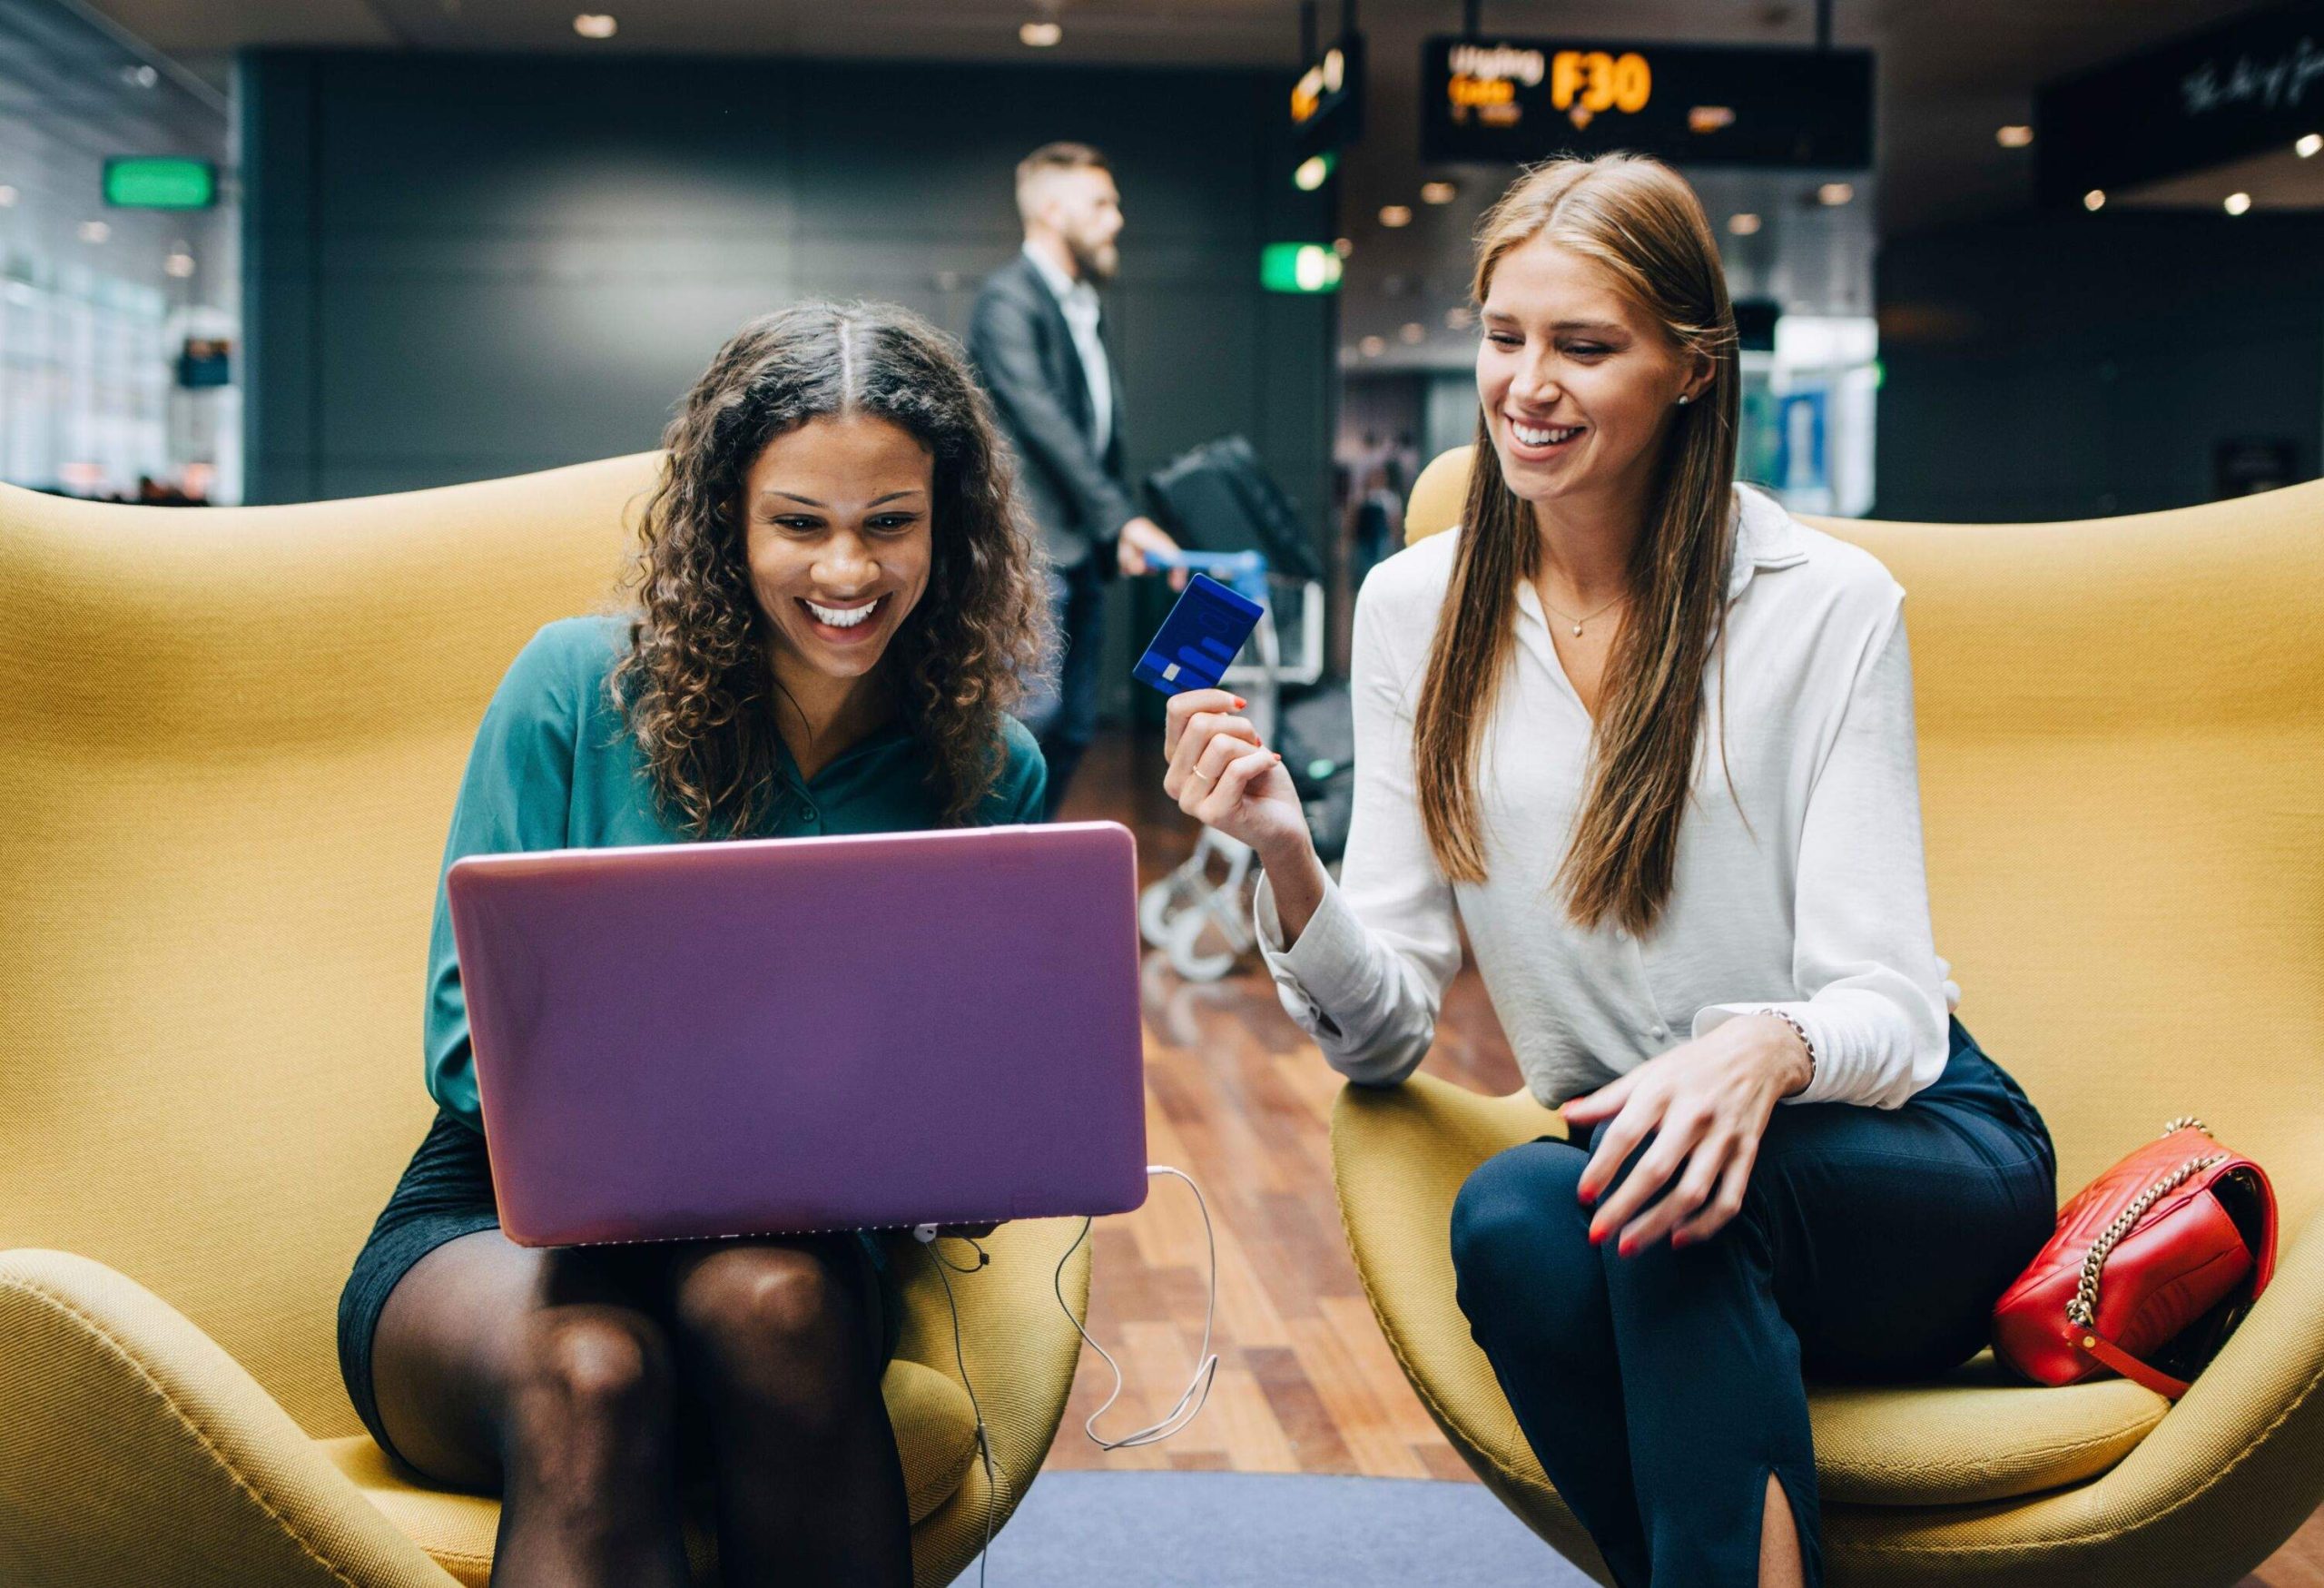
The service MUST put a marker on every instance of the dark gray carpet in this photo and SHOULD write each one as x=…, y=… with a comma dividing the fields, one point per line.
x=1250, y=1529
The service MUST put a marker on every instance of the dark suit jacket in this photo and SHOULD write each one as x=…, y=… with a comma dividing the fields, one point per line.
x=1024, y=354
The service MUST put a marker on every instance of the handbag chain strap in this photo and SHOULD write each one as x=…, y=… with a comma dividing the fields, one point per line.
x=2082, y=1310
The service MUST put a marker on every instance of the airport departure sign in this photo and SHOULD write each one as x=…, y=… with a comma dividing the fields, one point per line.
x=1504, y=101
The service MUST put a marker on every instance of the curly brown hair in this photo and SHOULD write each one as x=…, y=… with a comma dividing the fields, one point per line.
x=695, y=685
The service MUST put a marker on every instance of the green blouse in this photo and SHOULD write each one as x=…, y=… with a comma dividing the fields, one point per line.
x=555, y=766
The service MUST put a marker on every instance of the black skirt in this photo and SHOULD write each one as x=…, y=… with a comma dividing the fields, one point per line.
x=446, y=1193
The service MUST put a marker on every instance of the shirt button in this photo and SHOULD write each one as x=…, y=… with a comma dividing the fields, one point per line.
x=809, y=813
x=1658, y=1031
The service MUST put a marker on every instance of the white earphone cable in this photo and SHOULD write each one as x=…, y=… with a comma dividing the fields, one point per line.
x=1183, y=1411
x=945, y=1269
x=1189, y=1403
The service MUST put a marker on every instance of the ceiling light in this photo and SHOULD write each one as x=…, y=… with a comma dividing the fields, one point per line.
x=2094, y=200
x=7, y=197
x=180, y=263
x=1460, y=317
x=1312, y=172
x=94, y=231
x=1371, y=346
x=1040, y=36
x=594, y=25
x=1709, y=118
x=1342, y=246
x=1744, y=224
x=1395, y=215
x=2013, y=137
x=2308, y=146
x=1411, y=333
x=1833, y=194
x=1438, y=193
x=2238, y=202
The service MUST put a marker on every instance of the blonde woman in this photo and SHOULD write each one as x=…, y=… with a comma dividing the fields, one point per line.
x=1649, y=740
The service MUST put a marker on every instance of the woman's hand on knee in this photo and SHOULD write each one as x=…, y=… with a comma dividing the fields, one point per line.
x=1699, y=1112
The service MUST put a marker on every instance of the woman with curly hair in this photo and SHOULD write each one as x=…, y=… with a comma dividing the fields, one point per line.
x=835, y=606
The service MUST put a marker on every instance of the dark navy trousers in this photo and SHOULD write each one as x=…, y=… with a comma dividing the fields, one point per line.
x=1660, y=1390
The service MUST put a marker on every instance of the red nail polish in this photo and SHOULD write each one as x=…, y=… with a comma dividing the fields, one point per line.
x=1678, y=1241
x=1625, y=1248
x=1598, y=1238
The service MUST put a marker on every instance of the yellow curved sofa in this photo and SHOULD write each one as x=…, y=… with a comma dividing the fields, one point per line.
x=2121, y=739
x=229, y=743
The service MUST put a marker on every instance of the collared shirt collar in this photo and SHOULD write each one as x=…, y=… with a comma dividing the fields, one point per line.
x=1064, y=288
x=1077, y=303
x=1765, y=536
x=883, y=740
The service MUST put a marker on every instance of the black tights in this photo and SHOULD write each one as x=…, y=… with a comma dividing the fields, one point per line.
x=582, y=1383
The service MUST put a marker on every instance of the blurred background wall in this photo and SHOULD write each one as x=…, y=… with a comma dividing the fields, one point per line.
x=2076, y=367
x=460, y=266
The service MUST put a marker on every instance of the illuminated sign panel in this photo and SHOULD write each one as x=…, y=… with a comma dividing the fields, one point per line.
x=2254, y=85
x=1327, y=98
x=160, y=182
x=1505, y=100
x=1299, y=267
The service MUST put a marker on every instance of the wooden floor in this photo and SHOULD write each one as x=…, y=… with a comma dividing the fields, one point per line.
x=1236, y=1096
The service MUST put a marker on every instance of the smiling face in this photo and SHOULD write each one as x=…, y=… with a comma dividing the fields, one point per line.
x=837, y=530
x=1578, y=383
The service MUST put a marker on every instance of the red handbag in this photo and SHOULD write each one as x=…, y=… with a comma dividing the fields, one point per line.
x=2151, y=1269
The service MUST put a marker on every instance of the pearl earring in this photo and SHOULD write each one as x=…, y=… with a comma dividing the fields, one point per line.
x=1685, y=399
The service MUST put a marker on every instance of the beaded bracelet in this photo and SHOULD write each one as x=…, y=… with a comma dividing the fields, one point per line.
x=1806, y=1040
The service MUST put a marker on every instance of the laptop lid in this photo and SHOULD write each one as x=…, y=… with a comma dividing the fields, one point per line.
x=787, y=1035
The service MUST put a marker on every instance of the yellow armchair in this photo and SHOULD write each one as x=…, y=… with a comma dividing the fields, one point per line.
x=229, y=743
x=2122, y=740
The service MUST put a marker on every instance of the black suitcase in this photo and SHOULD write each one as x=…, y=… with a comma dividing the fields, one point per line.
x=1316, y=737
x=1219, y=497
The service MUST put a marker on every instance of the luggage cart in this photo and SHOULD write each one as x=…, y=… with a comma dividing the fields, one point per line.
x=1200, y=914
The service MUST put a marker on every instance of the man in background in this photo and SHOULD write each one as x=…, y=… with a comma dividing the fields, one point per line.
x=1037, y=338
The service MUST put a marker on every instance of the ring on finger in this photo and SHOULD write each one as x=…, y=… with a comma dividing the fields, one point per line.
x=1199, y=772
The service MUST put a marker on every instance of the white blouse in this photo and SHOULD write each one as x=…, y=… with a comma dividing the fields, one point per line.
x=1811, y=897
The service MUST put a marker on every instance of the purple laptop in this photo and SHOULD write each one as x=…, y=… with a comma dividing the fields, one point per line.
x=800, y=1034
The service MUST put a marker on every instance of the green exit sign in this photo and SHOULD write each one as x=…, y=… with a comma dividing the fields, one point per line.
x=1299, y=267
x=160, y=183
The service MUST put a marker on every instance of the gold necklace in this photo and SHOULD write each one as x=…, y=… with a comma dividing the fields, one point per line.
x=1578, y=621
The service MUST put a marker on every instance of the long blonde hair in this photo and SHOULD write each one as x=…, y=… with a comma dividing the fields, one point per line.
x=1640, y=220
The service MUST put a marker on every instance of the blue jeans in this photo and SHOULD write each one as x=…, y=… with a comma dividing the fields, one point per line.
x=1660, y=1390
x=1062, y=710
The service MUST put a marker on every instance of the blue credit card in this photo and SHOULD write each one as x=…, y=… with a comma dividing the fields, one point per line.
x=1197, y=642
